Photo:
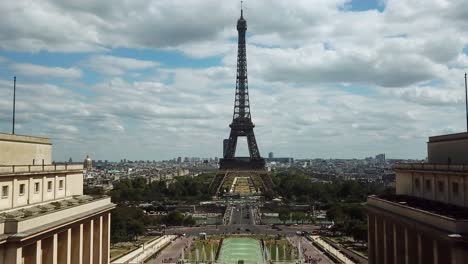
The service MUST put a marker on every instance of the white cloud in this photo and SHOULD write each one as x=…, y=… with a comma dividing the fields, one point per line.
x=325, y=81
x=45, y=71
x=112, y=65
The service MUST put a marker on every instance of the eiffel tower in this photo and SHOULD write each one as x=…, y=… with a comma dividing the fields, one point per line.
x=241, y=125
x=241, y=175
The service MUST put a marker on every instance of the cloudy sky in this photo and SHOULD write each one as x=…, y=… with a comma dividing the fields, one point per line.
x=141, y=79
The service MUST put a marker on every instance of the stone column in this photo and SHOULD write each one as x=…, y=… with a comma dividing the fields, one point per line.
x=376, y=231
x=459, y=253
x=47, y=246
x=385, y=246
x=63, y=254
x=106, y=238
x=13, y=193
x=29, y=254
x=44, y=188
x=97, y=235
x=435, y=251
x=420, y=253
x=39, y=251
x=395, y=255
x=14, y=254
x=370, y=238
x=406, y=247
x=77, y=244
x=87, y=242
x=55, y=249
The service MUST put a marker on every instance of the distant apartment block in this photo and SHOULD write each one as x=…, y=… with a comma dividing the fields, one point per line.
x=44, y=216
x=427, y=220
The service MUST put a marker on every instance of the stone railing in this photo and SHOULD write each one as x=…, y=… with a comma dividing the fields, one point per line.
x=432, y=167
x=10, y=169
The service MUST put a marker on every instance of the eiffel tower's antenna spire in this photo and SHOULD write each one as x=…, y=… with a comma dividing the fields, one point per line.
x=242, y=9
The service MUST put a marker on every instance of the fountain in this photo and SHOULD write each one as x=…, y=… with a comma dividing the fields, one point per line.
x=235, y=249
x=203, y=253
x=284, y=251
x=212, y=256
x=299, y=250
x=277, y=254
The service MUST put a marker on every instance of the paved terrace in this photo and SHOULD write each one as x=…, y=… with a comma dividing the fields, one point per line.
x=30, y=219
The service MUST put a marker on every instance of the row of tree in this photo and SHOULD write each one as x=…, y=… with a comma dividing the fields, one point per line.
x=295, y=186
x=285, y=215
x=128, y=223
x=182, y=188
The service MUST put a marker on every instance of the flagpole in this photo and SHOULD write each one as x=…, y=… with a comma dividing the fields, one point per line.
x=466, y=103
x=14, y=104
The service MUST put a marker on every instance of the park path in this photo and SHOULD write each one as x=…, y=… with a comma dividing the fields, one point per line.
x=172, y=252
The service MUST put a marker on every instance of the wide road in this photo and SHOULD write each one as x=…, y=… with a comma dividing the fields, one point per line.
x=241, y=216
x=243, y=229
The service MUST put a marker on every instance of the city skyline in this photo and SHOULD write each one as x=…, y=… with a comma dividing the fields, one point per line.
x=330, y=79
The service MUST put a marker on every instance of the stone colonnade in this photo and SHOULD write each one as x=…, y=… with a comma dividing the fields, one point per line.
x=397, y=242
x=87, y=242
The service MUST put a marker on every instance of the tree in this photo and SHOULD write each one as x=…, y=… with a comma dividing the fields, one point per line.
x=297, y=216
x=175, y=218
x=335, y=214
x=284, y=215
x=189, y=221
x=135, y=228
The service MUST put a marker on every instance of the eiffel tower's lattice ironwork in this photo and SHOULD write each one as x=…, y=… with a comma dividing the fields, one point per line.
x=241, y=125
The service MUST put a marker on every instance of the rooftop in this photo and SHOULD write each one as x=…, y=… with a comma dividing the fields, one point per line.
x=435, y=207
x=449, y=137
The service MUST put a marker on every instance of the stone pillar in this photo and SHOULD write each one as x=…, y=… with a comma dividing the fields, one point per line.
x=388, y=240
x=55, y=249
x=69, y=239
x=459, y=253
x=13, y=193
x=385, y=242
x=87, y=242
x=77, y=244
x=30, y=189
x=97, y=240
x=400, y=244
x=43, y=190
x=411, y=246
x=13, y=254
x=106, y=238
x=62, y=249
x=406, y=247
x=29, y=253
x=370, y=237
x=395, y=251
x=39, y=251
x=435, y=251
x=420, y=252
x=47, y=246
x=376, y=232
x=427, y=249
